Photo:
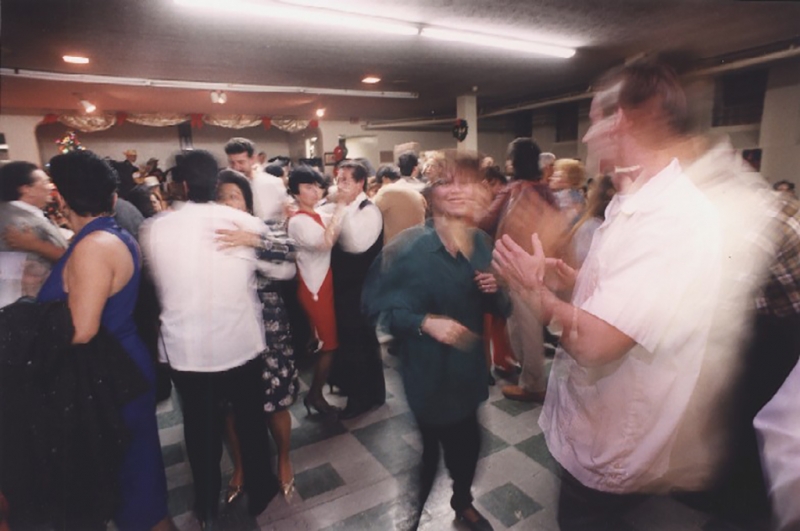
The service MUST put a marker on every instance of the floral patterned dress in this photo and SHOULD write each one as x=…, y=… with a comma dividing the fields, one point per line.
x=280, y=373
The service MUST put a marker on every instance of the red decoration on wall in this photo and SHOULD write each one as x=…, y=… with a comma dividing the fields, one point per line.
x=121, y=117
x=266, y=121
x=313, y=124
x=338, y=153
x=49, y=119
x=197, y=121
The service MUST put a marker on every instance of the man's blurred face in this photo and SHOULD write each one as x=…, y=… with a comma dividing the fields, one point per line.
x=242, y=163
x=601, y=139
x=37, y=193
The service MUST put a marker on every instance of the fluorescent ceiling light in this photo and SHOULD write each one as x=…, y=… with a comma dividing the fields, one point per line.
x=76, y=59
x=309, y=15
x=371, y=80
x=467, y=37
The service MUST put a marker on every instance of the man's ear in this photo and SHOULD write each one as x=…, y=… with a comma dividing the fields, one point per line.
x=114, y=201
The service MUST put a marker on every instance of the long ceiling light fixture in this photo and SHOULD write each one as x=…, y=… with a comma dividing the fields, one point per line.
x=200, y=85
x=519, y=45
x=312, y=14
x=308, y=15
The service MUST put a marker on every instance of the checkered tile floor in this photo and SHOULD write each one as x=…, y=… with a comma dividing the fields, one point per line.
x=349, y=475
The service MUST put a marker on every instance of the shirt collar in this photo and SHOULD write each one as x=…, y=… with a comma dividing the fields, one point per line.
x=29, y=208
x=650, y=193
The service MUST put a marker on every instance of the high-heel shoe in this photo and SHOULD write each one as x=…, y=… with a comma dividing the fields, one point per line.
x=288, y=488
x=319, y=405
x=234, y=493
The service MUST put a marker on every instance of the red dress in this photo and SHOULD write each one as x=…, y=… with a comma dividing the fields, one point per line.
x=319, y=308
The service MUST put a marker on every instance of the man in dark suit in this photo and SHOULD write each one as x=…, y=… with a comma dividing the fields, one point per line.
x=29, y=242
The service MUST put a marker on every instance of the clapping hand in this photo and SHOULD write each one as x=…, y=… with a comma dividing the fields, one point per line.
x=521, y=270
x=563, y=276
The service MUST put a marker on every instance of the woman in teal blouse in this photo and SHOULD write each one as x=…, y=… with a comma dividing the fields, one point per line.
x=429, y=289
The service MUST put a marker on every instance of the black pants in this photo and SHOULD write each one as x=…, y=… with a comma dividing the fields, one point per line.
x=461, y=443
x=203, y=399
x=583, y=509
x=357, y=366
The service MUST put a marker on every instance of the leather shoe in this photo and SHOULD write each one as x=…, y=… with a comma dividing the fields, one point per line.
x=515, y=392
x=473, y=519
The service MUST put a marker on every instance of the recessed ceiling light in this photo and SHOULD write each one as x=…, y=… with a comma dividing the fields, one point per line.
x=76, y=59
x=320, y=113
x=88, y=106
x=371, y=79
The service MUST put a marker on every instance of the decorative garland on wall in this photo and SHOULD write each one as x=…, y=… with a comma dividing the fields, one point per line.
x=103, y=121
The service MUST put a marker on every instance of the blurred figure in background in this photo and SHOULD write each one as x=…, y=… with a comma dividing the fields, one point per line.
x=29, y=242
x=567, y=183
x=785, y=187
x=401, y=205
x=600, y=192
x=526, y=206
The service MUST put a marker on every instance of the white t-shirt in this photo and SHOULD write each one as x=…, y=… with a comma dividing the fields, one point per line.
x=652, y=272
x=269, y=196
x=211, y=316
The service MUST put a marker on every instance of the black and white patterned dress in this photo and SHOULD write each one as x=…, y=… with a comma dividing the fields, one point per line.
x=280, y=374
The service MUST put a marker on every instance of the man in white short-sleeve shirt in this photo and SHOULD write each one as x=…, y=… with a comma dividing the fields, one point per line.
x=623, y=385
x=269, y=192
x=212, y=333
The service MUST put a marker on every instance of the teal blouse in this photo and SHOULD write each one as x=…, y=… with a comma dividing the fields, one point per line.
x=414, y=276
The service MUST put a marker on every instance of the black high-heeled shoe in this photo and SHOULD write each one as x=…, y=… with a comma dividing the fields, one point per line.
x=319, y=405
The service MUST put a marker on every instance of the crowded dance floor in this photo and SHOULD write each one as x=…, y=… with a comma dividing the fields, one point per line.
x=300, y=265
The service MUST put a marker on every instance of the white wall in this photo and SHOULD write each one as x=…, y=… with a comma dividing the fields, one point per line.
x=369, y=143
x=20, y=132
x=778, y=134
x=780, y=125
x=160, y=142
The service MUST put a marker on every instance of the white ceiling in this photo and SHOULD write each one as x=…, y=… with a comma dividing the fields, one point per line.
x=157, y=39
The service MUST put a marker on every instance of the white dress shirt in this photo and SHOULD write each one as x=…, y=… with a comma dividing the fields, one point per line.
x=652, y=272
x=778, y=429
x=361, y=227
x=211, y=316
x=269, y=196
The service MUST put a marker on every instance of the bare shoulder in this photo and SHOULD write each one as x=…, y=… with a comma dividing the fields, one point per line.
x=101, y=249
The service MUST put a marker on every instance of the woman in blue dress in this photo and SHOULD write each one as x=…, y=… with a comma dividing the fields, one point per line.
x=98, y=276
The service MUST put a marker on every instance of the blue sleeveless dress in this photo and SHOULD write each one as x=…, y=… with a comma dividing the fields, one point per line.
x=143, y=482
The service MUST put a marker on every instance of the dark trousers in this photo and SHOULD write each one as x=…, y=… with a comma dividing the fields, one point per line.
x=204, y=396
x=461, y=444
x=358, y=367
x=583, y=509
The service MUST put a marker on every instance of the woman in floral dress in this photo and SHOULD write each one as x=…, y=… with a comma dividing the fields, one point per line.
x=276, y=256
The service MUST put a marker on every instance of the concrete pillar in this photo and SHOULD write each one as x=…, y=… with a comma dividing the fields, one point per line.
x=467, y=109
x=780, y=124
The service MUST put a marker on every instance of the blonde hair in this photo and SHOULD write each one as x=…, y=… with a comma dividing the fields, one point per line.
x=573, y=170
